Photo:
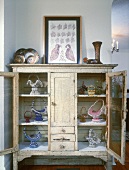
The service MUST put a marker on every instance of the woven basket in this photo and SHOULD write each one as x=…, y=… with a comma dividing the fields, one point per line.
x=91, y=90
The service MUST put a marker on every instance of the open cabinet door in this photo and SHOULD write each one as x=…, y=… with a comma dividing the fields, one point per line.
x=116, y=102
x=9, y=110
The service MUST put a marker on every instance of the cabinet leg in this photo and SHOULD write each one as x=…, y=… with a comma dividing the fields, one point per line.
x=15, y=162
x=108, y=165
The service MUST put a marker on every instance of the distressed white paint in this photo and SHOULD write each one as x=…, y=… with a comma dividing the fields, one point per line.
x=62, y=137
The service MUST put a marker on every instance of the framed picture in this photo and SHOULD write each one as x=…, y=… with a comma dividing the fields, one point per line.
x=63, y=39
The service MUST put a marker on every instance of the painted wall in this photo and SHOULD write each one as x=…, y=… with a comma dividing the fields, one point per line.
x=9, y=31
x=120, y=32
x=7, y=48
x=96, y=23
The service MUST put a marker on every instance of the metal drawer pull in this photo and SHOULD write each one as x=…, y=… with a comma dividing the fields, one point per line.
x=63, y=130
x=62, y=146
x=61, y=139
x=65, y=139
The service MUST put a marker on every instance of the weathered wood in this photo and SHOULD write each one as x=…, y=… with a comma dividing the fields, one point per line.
x=43, y=163
x=65, y=138
x=116, y=147
x=7, y=151
x=108, y=165
x=67, y=160
x=79, y=68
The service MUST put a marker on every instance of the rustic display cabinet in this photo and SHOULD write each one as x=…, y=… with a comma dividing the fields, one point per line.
x=67, y=126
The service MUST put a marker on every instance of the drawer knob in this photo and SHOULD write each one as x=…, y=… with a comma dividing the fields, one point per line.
x=62, y=146
x=54, y=104
x=63, y=130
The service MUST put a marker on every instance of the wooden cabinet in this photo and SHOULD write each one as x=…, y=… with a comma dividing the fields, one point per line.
x=67, y=92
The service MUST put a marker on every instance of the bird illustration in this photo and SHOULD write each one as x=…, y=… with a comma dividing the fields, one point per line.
x=55, y=52
x=69, y=53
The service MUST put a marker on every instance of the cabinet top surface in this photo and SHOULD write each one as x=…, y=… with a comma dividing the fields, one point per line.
x=66, y=65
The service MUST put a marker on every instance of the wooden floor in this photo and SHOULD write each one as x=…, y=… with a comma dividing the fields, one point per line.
x=118, y=166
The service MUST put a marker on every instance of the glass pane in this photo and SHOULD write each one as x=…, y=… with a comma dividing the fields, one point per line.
x=116, y=100
x=8, y=113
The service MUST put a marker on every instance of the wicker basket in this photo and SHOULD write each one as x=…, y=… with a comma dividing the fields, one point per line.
x=91, y=90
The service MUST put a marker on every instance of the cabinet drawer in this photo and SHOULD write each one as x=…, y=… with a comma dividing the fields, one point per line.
x=57, y=130
x=63, y=137
x=62, y=146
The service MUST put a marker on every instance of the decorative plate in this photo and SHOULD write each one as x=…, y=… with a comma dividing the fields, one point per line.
x=19, y=56
x=31, y=56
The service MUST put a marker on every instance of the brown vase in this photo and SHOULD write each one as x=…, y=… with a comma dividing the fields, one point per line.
x=97, y=46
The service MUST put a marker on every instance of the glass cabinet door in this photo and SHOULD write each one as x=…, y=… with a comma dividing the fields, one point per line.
x=8, y=103
x=116, y=116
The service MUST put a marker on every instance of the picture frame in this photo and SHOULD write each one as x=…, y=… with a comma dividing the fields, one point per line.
x=63, y=39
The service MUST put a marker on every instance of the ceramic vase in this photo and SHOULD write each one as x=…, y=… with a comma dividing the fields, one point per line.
x=97, y=46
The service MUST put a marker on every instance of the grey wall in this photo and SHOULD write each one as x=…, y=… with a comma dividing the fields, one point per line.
x=120, y=32
x=9, y=31
x=7, y=48
x=96, y=23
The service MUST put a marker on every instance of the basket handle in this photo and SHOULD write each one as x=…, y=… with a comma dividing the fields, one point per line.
x=82, y=109
x=33, y=75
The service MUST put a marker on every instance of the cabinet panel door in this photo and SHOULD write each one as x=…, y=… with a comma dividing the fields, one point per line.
x=8, y=104
x=62, y=99
x=116, y=103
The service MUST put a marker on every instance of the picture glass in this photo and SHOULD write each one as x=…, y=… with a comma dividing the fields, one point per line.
x=62, y=41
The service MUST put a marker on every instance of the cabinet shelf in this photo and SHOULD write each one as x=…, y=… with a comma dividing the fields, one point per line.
x=84, y=146
x=32, y=122
x=24, y=146
x=91, y=123
x=28, y=95
x=86, y=95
